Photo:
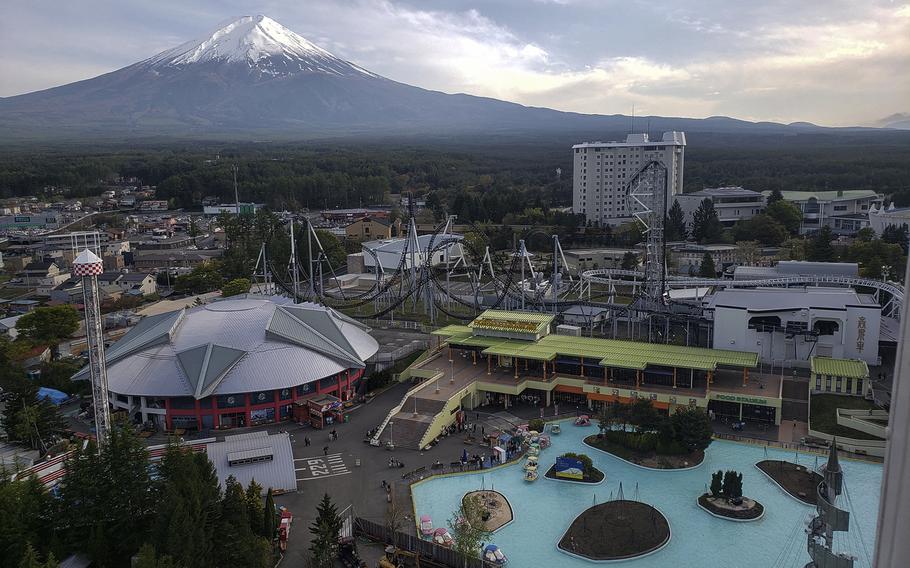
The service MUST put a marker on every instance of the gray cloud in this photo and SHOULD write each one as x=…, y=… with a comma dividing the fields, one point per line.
x=833, y=62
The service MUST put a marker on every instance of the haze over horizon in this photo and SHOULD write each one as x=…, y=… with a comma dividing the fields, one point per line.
x=830, y=63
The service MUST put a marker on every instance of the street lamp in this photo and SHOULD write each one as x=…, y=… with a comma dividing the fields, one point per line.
x=391, y=443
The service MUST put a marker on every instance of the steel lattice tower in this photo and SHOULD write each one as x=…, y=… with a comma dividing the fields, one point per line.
x=89, y=266
x=648, y=194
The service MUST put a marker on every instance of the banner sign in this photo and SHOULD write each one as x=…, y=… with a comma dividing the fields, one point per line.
x=569, y=468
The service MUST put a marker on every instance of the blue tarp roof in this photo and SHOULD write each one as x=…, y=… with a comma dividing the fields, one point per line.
x=53, y=395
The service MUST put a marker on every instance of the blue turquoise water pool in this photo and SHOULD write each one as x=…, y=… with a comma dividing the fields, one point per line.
x=544, y=509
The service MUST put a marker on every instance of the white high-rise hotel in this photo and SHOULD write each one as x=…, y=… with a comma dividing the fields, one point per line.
x=603, y=169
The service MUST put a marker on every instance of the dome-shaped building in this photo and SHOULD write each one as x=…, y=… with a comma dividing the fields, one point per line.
x=235, y=362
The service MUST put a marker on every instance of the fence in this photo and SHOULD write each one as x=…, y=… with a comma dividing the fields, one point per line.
x=428, y=551
x=397, y=324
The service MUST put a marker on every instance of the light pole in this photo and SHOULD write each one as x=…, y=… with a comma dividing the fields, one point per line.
x=391, y=443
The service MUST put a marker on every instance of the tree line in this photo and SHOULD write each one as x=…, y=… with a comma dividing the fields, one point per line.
x=113, y=506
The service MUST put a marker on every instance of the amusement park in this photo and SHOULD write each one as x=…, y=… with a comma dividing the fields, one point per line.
x=532, y=410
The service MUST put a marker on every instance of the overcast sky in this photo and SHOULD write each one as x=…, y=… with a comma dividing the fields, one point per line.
x=832, y=62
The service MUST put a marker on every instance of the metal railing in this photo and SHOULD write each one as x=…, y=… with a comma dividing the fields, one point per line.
x=429, y=551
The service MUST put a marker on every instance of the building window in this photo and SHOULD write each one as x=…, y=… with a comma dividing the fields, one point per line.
x=231, y=400
x=828, y=383
x=848, y=387
x=304, y=389
x=183, y=403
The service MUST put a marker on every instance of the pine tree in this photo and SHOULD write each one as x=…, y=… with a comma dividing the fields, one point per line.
x=254, y=506
x=629, y=261
x=30, y=558
x=236, y=545
x=268, y=517
x=108, y=498
x=146, y=558
x=775, y=196
x=821, y=249
x=707, y=269
x=676, y=223
x=188, y=509
x=717, y=483
x=325, y=528
x=706, y=226
x=51, y=561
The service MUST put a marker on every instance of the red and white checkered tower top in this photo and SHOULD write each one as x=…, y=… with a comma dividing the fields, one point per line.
x=87, y=264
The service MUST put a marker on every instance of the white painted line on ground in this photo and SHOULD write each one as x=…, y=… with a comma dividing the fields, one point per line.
x=314, y=457
x=322, y=476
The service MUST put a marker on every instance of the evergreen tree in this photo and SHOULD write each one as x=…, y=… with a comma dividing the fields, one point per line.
x=49, y=325
x=692, y=428
x=717, y=483
x=236, y=545
x=146, y=558
x=325, y=528
x=775, y=196
x=254, y=506
x=629, y=261
x=676, y=223
x=897, y=235
x=706, y=226
x=269, y=523
x=821, y=249
x=727, y=485
x=108, y=498
x=30, y=558
x=35, y=423
x=188, y=508
x=707, y=269
x=27, y=517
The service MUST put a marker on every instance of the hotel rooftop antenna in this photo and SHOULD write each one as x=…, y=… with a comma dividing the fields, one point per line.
x=88, y=266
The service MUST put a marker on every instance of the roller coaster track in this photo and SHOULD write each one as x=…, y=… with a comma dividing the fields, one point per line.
x=891, y=306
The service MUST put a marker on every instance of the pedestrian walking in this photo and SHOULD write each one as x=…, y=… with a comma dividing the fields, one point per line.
x=325, y=450
x=483, y=431
x=383, y=484
x=334, y=434
x=474, y=426
x=306, y=441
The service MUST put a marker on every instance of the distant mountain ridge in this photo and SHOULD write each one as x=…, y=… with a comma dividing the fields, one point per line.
x=252, y=78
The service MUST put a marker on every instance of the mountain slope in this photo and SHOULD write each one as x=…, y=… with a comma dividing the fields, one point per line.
x=255, y=78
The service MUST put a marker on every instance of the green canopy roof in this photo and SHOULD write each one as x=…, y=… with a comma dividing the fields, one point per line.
x=847, y=368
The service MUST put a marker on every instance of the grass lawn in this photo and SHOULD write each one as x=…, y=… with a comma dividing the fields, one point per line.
x=823, y=417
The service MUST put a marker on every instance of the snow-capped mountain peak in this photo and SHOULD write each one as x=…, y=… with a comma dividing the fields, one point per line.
x=264, y=45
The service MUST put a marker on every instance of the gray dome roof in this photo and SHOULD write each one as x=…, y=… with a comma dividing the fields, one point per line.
x=243, y=344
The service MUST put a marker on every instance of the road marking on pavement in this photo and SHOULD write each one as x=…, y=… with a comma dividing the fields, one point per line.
x=320, y=457
x=318, y=467
x=299, y=479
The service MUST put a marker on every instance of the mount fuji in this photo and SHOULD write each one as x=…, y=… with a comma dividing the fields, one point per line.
x=253, y=78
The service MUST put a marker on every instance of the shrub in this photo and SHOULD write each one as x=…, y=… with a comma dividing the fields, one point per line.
x=536, y=424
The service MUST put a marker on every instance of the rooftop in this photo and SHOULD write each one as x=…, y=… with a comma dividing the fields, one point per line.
x=640, y=139
x=732, y=191
x=847, y=368
x=788, y=299
x=241, y=344
x=837, y=195
x=606, y=352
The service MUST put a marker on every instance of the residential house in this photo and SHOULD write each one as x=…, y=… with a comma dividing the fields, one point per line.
x=369, y=228
x=135, y=283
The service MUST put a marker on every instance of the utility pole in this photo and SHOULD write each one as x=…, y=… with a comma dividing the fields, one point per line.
x=236, y=192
